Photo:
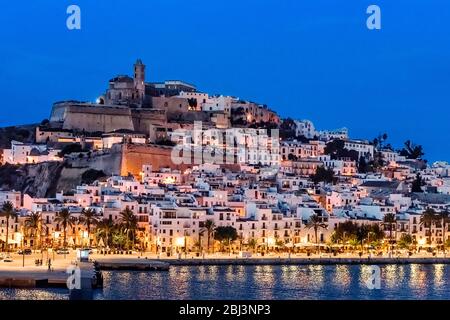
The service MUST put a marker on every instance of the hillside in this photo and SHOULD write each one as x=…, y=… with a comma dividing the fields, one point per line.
x=37, y=180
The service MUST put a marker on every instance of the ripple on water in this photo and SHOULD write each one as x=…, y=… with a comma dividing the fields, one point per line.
x=264, y=282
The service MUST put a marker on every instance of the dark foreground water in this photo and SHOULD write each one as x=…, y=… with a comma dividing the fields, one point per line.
x=264, y=282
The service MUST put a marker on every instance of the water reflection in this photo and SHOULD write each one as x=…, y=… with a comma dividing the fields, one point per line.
x=439, y=275
x=341, y=276
x=264, y=282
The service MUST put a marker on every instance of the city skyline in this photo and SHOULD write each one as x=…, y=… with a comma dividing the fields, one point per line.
x=323, y=70
x=226, y=152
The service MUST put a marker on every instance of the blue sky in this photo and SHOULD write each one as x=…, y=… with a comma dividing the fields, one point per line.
x=306, y=59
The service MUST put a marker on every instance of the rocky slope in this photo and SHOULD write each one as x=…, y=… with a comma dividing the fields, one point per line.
x=37, y=180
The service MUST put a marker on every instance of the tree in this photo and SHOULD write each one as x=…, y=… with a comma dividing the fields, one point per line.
x=288, y=129
x=34, y=223
x=345, y=231
x=129, y=223
x=362, y=165
x=412, y=151
x=8, y=212
x=88, y=218
x=323, y=175
x=64, y=218
x=119, y=239
x=405, y=241
x=252, y=243
x=379, y=141
x=336, y=150
x=225, y=235
x=192, y=103
x=104, y=229
x=427, y=219
x=377, y=161
x=201, y=232
x=91, y=175
x=70, y=148
x=210, y=227
x=362, y=233
x=389, y=220
x=375, y=233
x=417, y=184
x=315, y=222
x=444, y=217
x=292, y=157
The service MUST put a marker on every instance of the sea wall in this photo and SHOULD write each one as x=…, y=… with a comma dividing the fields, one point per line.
x=304, y=261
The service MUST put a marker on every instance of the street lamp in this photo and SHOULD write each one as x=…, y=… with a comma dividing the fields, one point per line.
x=21, y=239
x=185, y=244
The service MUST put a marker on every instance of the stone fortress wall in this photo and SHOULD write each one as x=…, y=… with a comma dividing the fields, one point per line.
x=90, y=117
x=135, y=156
x=105, y=118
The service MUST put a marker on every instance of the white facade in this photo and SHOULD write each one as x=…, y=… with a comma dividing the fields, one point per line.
x=364, y=149
x=305, y=128
x=23, y=153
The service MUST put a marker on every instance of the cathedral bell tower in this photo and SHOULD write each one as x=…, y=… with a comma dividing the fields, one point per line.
x=139, y=78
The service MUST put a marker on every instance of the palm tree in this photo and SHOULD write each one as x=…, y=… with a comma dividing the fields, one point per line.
x=105, y=228
x=210, y=226
x=427, y=219
x=252, y=244
x=75, y=222
x=64, y=218
x=88, y=218
x=34, y=223
x=129, y=224
x=8, y=212
x=444, y=216
x=201, y=232
x=389, y=220
x=315, y=222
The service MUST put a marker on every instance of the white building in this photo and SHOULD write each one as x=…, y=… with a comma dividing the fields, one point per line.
x=22, y=153
x=305, y=128
x=364, y=148
x=327, y=135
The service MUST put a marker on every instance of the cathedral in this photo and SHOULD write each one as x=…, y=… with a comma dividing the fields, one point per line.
x=136, y=93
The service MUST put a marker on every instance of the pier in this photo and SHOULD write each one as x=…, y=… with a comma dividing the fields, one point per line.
x=111, y=263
